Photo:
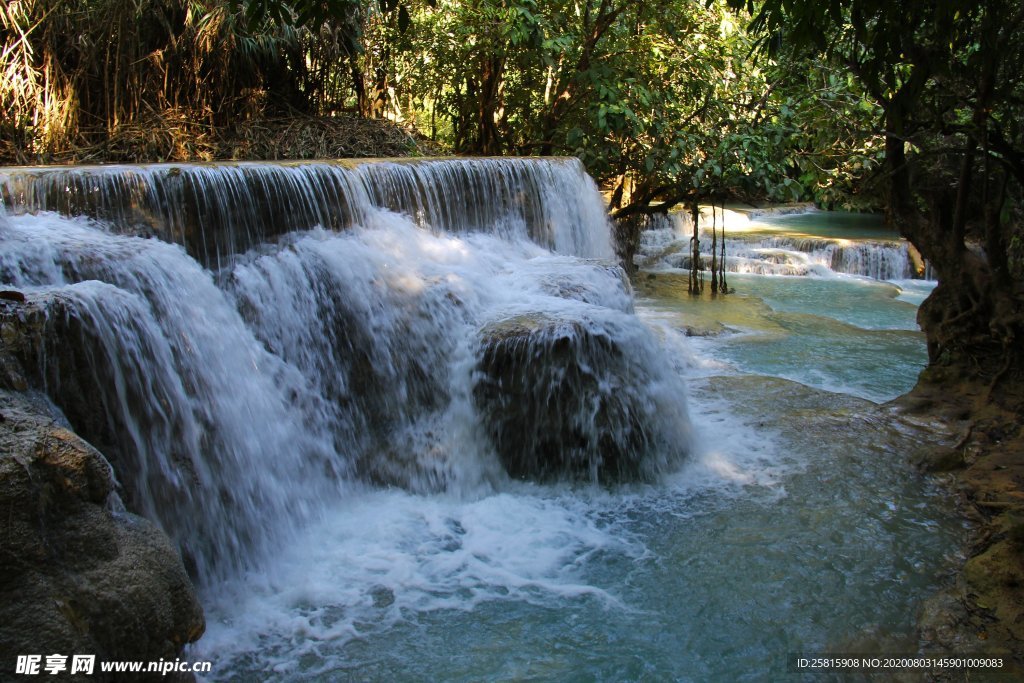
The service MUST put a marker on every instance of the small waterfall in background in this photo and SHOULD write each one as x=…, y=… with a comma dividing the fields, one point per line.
x=826, y=299
x=763, y=244
x=247, y=342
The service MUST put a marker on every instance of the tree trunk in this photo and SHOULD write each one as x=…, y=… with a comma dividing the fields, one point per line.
x=714, y=249
x=972, y=325
x=488, y=104
x=722, y=285
x=696, y=282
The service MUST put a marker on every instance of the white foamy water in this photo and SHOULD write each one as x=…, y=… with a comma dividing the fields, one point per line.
x=807, y=243
x=384, y=562
x=387, y=557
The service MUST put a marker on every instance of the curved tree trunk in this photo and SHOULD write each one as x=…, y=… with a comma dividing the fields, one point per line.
x=973, y=320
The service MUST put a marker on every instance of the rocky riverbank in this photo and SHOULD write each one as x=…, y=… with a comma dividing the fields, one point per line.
x=983, y=465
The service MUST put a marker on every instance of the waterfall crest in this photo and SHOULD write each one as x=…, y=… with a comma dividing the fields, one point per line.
x=219, y=210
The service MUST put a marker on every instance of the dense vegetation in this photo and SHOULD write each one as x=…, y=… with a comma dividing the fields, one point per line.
x=852, y=103
x=948, y=78
x=660, y=100
x=151, y=80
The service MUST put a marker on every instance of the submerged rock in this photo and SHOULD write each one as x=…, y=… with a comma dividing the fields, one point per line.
x=77, y=577
x=564, y=399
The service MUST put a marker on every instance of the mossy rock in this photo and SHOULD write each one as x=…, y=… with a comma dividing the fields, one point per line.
x=563, y=399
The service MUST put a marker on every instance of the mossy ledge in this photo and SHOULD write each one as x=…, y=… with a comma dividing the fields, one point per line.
x=982, y=463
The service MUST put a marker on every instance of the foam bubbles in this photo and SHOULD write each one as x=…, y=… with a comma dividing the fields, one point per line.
x=387, y=557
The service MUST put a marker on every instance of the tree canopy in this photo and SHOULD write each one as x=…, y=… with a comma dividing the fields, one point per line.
x=948, y=76
x=660, y=100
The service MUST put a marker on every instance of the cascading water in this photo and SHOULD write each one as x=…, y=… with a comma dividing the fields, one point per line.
x=755, y=246
x=369, y=401
x=240, y=401
x=220, y=210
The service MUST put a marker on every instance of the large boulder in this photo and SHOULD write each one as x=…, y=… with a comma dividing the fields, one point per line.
x=78, y=576
x=567, y=399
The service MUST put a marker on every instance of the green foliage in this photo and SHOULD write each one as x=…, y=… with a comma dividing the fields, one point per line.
x=661, y=101
x=830, y=131
x=947, y=77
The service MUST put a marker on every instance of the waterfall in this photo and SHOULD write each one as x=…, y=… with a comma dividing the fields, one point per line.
x=219, y=210
x=750, y=248
x=247, y=342
x=881, y=260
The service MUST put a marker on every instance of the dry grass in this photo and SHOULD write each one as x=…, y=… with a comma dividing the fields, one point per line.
x=176, y=136
x=342, y=136
x=177, y=80
x=33, y=94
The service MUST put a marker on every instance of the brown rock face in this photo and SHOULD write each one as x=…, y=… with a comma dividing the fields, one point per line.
x=76, y=576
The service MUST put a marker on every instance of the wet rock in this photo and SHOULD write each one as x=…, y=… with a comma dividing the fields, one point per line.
x=601, y=284
x=714, y=329
x=936, y=458
x=76, y=577
x=45, y=345
x=564, y=399
x=23, y=328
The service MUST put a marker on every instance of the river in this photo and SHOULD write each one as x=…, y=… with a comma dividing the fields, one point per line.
x=344, y=508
